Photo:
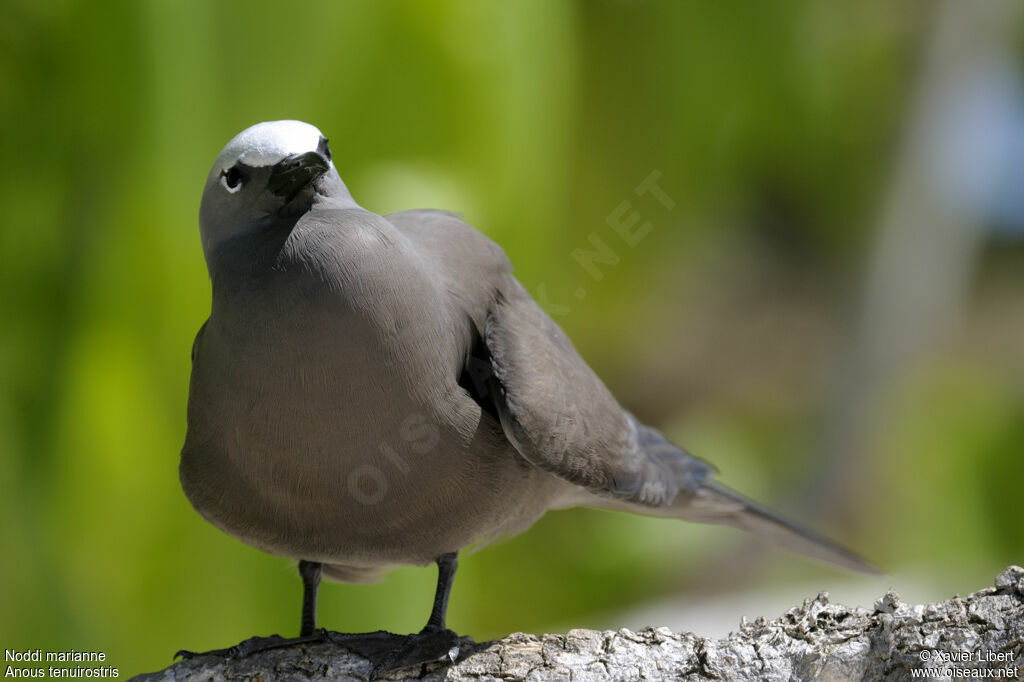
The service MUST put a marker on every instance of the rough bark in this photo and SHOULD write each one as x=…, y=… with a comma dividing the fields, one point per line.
x=815, y=641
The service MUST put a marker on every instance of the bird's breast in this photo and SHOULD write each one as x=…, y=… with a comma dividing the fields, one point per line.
x=332, y=445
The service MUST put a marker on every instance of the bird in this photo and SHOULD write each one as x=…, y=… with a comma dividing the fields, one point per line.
x=372, y=391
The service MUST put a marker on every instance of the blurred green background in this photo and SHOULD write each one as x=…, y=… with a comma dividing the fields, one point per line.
x=832, y=310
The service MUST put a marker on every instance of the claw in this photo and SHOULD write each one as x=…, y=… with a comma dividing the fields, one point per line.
x=248, y=647
x=391, y=652
x=428, y=646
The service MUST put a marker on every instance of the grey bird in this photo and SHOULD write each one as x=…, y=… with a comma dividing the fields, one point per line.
x=374, y=391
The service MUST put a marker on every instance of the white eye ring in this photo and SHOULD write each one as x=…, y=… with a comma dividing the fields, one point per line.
x=231, y=179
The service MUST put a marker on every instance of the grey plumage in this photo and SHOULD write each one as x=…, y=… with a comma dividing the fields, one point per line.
x=375, y=391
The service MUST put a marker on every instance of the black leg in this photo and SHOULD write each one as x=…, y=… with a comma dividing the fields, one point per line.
x=446, y=565
x=435, y=641
x=310, y=572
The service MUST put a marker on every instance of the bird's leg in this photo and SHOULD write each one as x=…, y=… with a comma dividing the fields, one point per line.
x=310, y=573
x=435, y=641
x=446, y=565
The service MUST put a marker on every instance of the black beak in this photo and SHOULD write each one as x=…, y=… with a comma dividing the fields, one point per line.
x=292, y=173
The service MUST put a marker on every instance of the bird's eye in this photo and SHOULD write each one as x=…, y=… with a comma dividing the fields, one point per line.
x=232, y=179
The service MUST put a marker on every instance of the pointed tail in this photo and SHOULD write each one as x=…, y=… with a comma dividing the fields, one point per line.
x=713, y=502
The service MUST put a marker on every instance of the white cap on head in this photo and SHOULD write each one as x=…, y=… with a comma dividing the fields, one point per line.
x=264, y=144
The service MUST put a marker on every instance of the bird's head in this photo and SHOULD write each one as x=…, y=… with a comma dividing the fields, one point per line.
x=269, y=170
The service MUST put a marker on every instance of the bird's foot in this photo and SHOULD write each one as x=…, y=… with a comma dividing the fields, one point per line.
x=430, y=645
x=253, y=645
x=388, y=651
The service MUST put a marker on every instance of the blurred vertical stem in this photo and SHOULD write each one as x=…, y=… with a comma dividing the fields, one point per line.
x=925, y=250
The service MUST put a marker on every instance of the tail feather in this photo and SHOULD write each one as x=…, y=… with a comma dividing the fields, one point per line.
x=713, y=502
x=702, y=499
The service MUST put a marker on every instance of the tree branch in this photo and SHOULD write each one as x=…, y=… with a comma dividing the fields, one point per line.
x=815, y=641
